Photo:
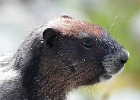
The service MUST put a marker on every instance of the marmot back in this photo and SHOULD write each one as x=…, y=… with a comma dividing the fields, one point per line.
x=64, y=53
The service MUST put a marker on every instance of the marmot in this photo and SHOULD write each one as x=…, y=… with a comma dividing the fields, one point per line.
x=64, y=53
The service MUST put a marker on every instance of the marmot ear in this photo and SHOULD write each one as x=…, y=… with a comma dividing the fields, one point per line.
x=49, y=36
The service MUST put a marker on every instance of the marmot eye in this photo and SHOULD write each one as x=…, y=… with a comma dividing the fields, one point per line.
x=87, y=43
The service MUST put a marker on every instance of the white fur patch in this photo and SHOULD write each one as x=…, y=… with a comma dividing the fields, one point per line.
x=8, y=76
x=6, y=68
x=112, y=64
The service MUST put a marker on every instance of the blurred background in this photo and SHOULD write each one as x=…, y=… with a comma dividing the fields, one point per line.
x=120, y=17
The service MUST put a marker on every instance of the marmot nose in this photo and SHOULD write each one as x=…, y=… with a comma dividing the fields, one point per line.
x=124, y=56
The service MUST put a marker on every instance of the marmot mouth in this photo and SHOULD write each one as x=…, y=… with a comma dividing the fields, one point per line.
x=108, y=75
x=105, y=77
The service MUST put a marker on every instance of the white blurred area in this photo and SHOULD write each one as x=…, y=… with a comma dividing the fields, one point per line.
x=126, y=94
x=19, y=17
x=135, y=27
x=75, y=96
x=122, y=94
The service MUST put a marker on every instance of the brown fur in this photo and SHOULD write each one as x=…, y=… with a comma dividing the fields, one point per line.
x=64, y=53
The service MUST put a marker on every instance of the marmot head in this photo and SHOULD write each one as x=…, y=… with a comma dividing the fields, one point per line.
x=77, y=53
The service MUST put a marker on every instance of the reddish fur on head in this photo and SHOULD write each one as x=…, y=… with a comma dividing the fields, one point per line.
x=69, y=26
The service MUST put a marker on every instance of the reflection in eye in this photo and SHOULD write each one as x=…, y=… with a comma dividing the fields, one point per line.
x=87, y=43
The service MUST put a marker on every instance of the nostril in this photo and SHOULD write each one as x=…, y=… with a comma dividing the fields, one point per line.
x=123, y=61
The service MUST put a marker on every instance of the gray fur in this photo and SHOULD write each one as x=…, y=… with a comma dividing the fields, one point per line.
x=56, y=57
